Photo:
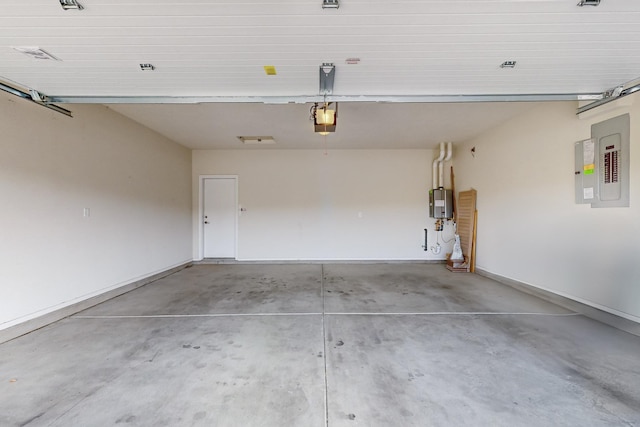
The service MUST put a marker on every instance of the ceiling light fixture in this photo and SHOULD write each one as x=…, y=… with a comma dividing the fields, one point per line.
x=589, y=3
x=147, y=67
x=508, y=64
x=330, y=4
x=324, y=117
x=70, y=5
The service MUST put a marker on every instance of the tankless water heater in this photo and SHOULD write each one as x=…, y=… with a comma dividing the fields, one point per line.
x=441, y=203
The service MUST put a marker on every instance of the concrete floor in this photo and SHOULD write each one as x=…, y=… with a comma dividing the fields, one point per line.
x=317, y=345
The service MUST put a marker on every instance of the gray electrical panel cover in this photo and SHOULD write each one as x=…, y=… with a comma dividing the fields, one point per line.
x=602, y=165
x=586, y=171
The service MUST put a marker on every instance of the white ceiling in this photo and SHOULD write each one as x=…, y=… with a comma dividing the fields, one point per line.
x=214, y=48
x=360, y=125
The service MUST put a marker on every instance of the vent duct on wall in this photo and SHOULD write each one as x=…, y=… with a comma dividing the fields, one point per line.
x=446, y=153
x=441, y=165
x=436, y=163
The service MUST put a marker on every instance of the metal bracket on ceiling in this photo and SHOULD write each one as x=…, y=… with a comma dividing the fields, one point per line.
x=330, y=4
x=327, y=74
x=37, y=96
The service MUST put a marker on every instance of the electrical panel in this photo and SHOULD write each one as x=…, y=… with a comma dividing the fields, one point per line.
x=602, y=165
x=586, y=173
x=610, y=184
x=440, y=203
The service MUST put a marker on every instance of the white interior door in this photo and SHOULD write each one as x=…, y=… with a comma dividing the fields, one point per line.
x=219, y=217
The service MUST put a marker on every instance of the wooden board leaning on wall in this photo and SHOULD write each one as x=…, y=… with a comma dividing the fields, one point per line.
x=466, y=216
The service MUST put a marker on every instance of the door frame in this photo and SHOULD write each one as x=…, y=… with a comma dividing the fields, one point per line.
x=201, y=179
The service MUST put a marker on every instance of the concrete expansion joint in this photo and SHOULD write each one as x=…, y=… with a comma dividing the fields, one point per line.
x=447, y=313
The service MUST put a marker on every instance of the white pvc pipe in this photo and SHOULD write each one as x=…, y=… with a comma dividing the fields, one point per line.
x=436, y=163
x=441, y=165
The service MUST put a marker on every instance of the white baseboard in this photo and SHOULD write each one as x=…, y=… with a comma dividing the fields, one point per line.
x=317, y=261
x=58, y=314
x=622, y=321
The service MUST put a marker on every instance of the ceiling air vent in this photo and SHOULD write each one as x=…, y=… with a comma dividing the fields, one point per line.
x=589, y=3
x=70, y=5
x=35, y=52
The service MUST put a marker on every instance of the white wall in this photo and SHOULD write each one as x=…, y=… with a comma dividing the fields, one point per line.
x=530, y=229
x=136, y=183
x=305, y=204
